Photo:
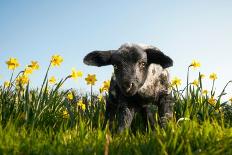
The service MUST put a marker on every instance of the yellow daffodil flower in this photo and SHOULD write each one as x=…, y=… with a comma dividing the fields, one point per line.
x=202, y=76
x=195, y=82
x=52, y=80
x=70, y=96
x=65, y=114
x=28, y=71
x=205, y=91
x=105, y=86
x=56, y=60
x=100, y=97
x=12, y=63
x=195, y=64
x=91, y=79
x=23, y=80
x=212, y=100
x=176, y=81
x=6, y=84
x=213, y=76
x=81, y=105
x=34, y=65
x=76, y=74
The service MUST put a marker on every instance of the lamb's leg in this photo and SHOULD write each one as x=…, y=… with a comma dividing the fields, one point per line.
x=125, y=118
x=165, y=109
x=148, y=116
x=109, y=114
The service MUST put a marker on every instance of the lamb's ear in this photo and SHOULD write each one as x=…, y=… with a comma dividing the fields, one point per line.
x=98, y=58
x=154, y=55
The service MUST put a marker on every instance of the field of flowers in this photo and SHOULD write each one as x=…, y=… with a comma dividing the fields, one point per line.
x=51, y=120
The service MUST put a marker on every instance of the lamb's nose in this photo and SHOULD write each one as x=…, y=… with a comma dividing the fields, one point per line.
x=128, y=86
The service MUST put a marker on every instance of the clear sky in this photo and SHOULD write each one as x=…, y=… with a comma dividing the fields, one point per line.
x=184, y=30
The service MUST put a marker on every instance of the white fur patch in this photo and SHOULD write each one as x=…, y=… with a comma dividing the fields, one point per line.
x=153, y=85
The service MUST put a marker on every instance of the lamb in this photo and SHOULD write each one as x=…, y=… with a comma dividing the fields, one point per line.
x=140, y=77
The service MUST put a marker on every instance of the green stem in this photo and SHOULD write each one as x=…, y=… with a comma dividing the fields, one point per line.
x=223, y=91
x=225, y=87
x=212, y=88
x=11, y=77
x=17, y=76
x=187, y=91
x=61, y=83
x=4, y=98
x=40, y=93
x=45, y=78
x=91, y=95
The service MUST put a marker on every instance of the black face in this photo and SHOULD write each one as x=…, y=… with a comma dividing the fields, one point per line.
x=130, y=68
x=130, y=63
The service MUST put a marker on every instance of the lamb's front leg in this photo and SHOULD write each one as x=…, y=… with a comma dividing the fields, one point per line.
x=125, y=117
x=148, y=116
x=111, y=109
x=165, y=109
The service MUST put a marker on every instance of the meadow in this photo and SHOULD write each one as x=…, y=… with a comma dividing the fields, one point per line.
x=51, y=120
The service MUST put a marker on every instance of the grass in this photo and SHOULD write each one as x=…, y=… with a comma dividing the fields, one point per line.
x=48, y=120
x=186, y=138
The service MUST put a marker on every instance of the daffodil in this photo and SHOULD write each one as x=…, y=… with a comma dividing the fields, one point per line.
x=70, y=96
x=22, y=80
x=34, y=65
x=81, y=105
x=12, y=63
x=56, y=60
x=195, y=82
x=205, y=91
x=91, y=79
x=76, y=74
x=195, y=64
x=212, y=100
x=202, y=76
x=28, y=71
x=65, y=114
x=105, y=86
x=176, y=81
x=213, y=76
x=100, y=97
x=6, y=83
x=52, y=80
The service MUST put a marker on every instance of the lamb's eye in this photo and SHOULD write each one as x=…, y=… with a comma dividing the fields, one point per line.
x=142, y=64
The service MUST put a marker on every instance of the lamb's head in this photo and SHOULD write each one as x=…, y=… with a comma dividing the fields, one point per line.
x=130, y=62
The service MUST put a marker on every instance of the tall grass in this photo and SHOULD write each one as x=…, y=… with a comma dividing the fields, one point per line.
x=47, y=121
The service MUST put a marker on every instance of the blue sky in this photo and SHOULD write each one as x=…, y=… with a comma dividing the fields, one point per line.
x=184, y=30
